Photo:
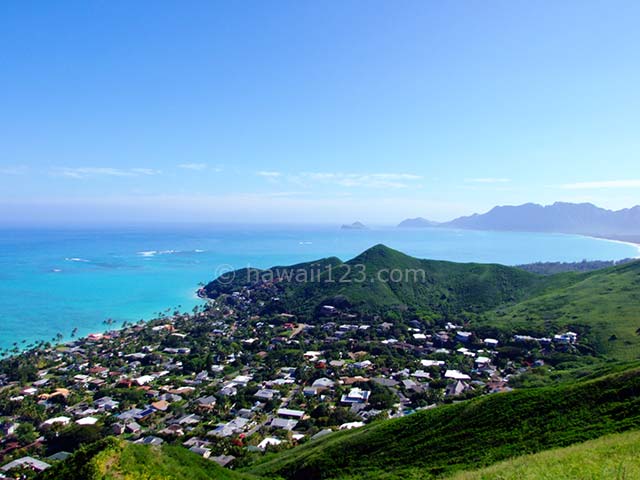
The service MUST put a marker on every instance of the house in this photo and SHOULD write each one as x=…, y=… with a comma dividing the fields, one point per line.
x=174, y=429
x=9, y=428
x=491, y=342
x=290, y=413
x=56, y=420
x=482, y=362
x=206, y=403
x=144, y=379
x=564, y=338
x=463, y=337
x=242, y=379
x=352, y=380
x=421, y=375
x=355, y=396
x=312, y=355
x=190, y=419
x=351, y=425
x=246, y=413
x=283, y=423
x=456, y=375
x=385, y=382
x=269, y=441
x=117, y=428
x=203, y=452
x=431, y=363
x=365, y=364
x=228, y=429
x=310, y=391
x=150, y=440
x=133, y=427
x=328, y=310
x=132, y=413
x=160, y=405
x=410, y=385
x=106, y=403
x=266, y=394
x=456, y=388
x=26, y=462
x=87, y=421
x=223, y=460
x=228, y=391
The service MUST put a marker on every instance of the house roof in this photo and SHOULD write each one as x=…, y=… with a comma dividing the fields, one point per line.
x=25, y=461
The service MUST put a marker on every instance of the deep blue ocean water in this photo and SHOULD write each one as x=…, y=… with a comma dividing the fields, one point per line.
x=55, y=280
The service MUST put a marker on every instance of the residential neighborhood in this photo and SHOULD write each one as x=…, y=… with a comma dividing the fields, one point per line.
x=229, y=384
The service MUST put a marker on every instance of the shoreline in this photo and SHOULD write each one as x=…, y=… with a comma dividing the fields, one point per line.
x=633, y=243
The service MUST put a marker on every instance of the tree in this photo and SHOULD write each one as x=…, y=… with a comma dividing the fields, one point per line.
x=26, y=433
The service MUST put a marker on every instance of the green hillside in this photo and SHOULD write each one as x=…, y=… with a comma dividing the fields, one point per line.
x=365, y=284
x=603, y=306
x=112, y=459
x=612, y=457
x=469, y=434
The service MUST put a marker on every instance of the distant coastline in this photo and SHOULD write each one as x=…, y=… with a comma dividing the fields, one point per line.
x=631, y=240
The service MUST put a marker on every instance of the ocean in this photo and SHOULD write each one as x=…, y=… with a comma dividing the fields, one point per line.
x=55, y=280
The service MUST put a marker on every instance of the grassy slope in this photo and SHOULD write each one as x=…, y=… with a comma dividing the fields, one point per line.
x=613, y=457
x=470, y=434
x=113, y=459
x=602, y=303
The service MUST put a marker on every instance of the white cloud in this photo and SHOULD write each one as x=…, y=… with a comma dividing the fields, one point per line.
x=86, y=172
x=487, y=180
x=193, y=166
x=601, y=185
x=13, y=170
x=269, y=174
x=348, y=180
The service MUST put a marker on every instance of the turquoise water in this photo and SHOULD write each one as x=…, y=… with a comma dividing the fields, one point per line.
x=53, y=281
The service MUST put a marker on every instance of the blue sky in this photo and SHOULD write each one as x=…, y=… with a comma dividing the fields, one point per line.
x=314, y=111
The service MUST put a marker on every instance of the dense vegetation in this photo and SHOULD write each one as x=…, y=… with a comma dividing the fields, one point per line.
x=365, y=285
x=112, y=459
x=470, y=434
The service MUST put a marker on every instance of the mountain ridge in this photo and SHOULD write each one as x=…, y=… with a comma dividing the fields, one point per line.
x=559, y=217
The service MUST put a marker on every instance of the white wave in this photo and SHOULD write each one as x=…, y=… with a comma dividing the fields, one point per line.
x=56, y=270
x=305, y=243
x=197, y=250
x=148, y=253
x=76, y=259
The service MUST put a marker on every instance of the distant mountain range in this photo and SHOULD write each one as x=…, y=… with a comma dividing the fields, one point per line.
x=576, y=218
